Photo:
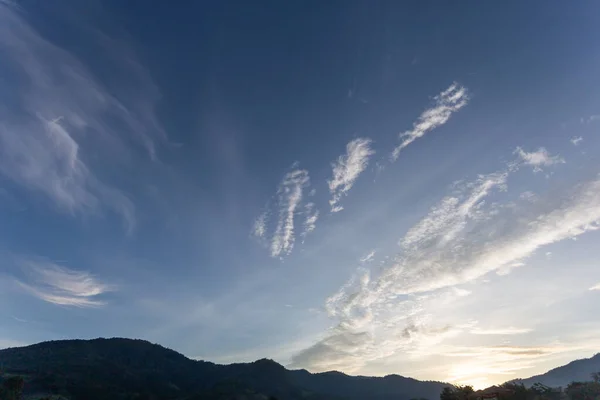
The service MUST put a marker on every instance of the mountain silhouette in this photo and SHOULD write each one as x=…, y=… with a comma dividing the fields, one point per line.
x=575, y=371
x=136, y=369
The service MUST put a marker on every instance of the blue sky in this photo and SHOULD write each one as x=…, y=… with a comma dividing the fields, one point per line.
x=372, y=187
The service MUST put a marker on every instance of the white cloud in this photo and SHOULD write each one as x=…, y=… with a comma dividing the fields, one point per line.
x=47, y=159
x=364, y=335
x=575, y=140
x=311, y=217
x=347, y=168
x=437, y=261
x=368, y=257
x=462, y=239
x=446, y=103
x=259, y=229
x=58, y=111
x=596, y=287
x=335, y=209
x=289, y=195
x=450, y=216
x=482, y=366
x=528, y=196
x=501, y=331
x=538, y=159
x=63, y=286
x=280, y=234
x=462, y=292
x=590, y=119
x=507, y=269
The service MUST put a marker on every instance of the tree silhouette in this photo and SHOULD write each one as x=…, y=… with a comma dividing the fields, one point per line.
x=456, y=393
x=583, y=390
x=12, y=388
x=464, y=392
x=448, y=393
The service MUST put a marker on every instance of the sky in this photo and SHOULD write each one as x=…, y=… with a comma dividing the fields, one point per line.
x=369, y=187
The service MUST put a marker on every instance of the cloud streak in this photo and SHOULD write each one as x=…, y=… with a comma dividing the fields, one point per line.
x=290, y=196
x=368, y=257
x=590, y=119
x=63, y=286
x=47, y=160
x=575, y=140
x=259, y=228
x=538, y=159
x=446, y=103
x=462, y=238
x=483, y=363
x=288, y=205
x=311, y=217
x=347, y=168
x=54, y=108
x=500, y=331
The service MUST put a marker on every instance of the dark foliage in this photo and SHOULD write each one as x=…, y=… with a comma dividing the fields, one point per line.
x=11, y=388
x=361, y=387
x=583, y=391
x=537, y=391
x=124, y=369
x=456, y=393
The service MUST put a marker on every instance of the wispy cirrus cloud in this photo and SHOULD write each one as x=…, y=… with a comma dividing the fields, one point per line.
x=507, y=269
x=538, y=159
x=450, y=216
x=368, y=257
x=259, y=229
x=500, y=331
x=590, y=119
x=465, y=236
x=290, y=194
x=311, y=215
x=63, y=286
x=347, y=168
x=446, y=103
x=366, y=334
x=46, y=159
x=54, y=108
x=483, y=365
x=575, y=140
x=596, y=287
x=528, y=195
x=524, y=230
x=288, y=204
x=533, y=351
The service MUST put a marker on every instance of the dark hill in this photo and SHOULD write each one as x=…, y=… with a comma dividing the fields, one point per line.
x=578, y=371
x=135, y=369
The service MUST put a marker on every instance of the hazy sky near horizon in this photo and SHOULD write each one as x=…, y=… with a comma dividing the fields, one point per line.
x=373, y=187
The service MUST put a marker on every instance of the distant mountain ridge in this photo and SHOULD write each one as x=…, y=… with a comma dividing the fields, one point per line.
x=128, y=369
x=136, y=369
x=578, y=370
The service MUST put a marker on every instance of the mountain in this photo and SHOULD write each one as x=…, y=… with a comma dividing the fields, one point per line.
x=136, y=369
x=575, y=371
